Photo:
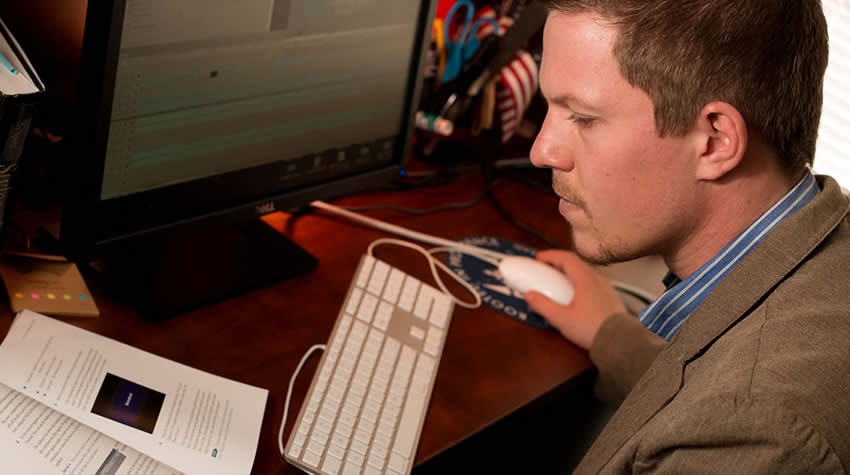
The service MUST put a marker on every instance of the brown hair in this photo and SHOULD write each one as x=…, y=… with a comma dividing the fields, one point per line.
x=765, y=57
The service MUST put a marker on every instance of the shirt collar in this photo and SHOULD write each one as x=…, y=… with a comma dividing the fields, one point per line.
x=666, y=315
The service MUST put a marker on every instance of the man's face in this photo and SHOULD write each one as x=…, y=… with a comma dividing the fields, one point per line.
x=625, y=191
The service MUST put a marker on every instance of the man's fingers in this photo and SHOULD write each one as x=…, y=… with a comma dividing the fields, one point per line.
x=543, y=305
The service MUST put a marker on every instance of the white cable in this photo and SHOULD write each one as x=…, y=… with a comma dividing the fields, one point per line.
x=415, y=235
x=486, y=255
x=433, y=263
x=289, y=392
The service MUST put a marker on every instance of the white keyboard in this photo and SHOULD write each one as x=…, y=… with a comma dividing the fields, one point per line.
x=366, y=406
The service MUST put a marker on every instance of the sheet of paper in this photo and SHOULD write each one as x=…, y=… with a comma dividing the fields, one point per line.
x=188, y=419
x=38, y=439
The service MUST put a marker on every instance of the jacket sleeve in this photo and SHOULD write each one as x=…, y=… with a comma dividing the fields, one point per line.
x=724, y=433
x=622, y=351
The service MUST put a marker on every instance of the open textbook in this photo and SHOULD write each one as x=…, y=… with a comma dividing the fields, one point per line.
x=79, y=403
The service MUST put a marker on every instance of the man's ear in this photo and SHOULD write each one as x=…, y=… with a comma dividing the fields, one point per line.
x=722, y=132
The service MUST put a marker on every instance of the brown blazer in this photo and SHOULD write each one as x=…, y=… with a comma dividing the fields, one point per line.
x=757, y=380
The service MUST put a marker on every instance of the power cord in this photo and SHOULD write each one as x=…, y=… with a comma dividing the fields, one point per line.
x=400, y=231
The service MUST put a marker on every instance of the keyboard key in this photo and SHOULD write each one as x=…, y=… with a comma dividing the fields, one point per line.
x=383, y=316
x=425, y=362
x=311, y=459
x=367, y=308
x=379, y=276
x=358, y=459
x=379, y=453
x=440, y=311
x=331, y=465
x=351, y=468
x=423, y=302
x=375, y=462
x=435, y=336
x=431, y=349
x=353, y=301
x=359, y=446
x=397, y=462
x=295, y=450
x=393, y=287
x=316, y=443
x=408, y=293
x=336, y=451
x=365, y=271
x=408, y=426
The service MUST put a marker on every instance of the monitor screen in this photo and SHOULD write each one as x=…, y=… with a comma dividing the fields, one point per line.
x=205, y=106
x=200, y=111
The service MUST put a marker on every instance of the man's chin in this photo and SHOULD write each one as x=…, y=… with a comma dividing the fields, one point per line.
x=595, y=251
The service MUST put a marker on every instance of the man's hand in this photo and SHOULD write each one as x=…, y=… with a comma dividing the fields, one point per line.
x=595, y=299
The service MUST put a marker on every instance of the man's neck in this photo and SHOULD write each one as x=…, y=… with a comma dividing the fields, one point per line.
x=728, y=208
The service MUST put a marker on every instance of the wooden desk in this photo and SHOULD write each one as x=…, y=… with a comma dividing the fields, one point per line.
x=492, y=365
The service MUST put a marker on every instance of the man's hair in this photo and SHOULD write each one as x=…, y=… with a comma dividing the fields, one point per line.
x=765, y=57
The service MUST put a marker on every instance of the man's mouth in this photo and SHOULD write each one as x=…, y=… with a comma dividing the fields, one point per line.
x=566, y=195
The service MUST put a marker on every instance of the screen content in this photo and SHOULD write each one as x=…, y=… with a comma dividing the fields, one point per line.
x=207, y=87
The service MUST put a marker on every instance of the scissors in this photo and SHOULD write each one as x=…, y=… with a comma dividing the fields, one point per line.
x=458, y=52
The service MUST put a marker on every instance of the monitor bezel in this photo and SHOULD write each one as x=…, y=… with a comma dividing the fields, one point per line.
x=88, y=223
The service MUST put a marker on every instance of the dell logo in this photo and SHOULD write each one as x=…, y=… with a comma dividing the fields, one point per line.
x=265, y=208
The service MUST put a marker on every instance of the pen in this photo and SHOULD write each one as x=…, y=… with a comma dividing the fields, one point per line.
x=7, y=64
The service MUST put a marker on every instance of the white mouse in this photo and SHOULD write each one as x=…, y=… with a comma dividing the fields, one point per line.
x=526, y=273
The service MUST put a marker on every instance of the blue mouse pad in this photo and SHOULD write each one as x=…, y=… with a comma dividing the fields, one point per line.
x=485, y=278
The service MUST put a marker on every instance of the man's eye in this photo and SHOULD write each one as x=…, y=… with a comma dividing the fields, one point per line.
x=584, y=122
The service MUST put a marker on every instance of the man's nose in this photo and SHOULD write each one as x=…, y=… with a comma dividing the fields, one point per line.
x=548, y=151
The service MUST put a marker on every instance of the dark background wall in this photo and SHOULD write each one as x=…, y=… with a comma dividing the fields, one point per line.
x=51, y=34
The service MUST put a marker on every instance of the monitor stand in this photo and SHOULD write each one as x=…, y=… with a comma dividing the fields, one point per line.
x=162, y=276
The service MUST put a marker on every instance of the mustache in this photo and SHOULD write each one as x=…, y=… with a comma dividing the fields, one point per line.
x=562, y=190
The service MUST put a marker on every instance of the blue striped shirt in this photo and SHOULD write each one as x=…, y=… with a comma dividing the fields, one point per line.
x=667, y=314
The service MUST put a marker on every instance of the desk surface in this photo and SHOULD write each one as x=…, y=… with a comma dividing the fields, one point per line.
x=492, y=365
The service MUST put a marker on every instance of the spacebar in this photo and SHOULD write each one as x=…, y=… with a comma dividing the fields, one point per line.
x=409, y=424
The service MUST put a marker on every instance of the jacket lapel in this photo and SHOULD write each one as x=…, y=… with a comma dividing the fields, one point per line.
x=782, y=250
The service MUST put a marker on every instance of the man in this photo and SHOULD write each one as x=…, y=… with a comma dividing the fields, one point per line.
x=684, y=128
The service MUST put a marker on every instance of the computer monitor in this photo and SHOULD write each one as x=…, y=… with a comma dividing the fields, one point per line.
x=197, y=117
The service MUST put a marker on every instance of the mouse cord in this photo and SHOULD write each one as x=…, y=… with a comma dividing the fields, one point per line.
x=434, y=263
x=289, y=392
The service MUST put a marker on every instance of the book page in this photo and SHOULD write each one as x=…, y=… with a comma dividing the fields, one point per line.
x=38, y=439
x=191, y=420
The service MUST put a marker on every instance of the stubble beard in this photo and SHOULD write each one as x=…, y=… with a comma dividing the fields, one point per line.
x=608, y=249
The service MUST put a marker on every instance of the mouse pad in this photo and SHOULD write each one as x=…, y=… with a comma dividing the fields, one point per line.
x=485, y=278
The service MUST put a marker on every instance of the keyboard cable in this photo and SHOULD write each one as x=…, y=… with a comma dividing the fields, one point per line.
x=289, y=392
